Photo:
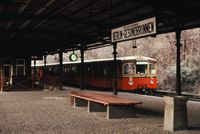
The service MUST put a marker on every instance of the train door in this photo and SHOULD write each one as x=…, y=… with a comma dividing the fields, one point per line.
x=7, y=73
x=108, y=73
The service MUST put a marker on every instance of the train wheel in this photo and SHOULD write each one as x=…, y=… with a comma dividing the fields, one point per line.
x=152, y=92
x=144, y=91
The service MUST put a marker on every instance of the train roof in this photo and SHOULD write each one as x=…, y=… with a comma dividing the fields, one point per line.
x=138, y=58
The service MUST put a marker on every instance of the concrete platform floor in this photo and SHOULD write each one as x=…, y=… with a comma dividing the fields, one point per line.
x=50, y=112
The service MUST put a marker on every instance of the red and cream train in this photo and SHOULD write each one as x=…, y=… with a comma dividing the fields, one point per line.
x=134, y=73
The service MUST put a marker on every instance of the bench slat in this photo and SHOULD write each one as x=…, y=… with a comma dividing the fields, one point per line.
x=104, y=98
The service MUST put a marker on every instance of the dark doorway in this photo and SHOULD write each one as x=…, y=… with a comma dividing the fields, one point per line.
x=7, y=72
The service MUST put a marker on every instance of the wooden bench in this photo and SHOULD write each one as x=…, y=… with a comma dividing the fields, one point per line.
x=115, y=106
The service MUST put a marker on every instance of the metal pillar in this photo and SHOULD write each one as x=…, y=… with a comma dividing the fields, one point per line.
x=178, y=61
x=34, y=73
x=1, y=71
x=82, y=69
x=61, y=68
x=44, y=71
x=115, y=69
x=45, y=63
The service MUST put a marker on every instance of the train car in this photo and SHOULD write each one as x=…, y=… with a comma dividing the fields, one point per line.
x=134, y=73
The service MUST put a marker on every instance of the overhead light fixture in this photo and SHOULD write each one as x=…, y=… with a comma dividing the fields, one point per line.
x=106, y=38
x=134, y=43
x=98, y=43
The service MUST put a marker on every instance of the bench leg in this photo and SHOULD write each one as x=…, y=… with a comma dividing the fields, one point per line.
x=114, y=112
x=95, y=107
x=79, y=102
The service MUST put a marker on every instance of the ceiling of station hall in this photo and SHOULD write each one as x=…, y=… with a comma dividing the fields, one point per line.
x=40, y=26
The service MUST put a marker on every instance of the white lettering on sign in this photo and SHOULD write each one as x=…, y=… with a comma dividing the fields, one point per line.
x=134, y=30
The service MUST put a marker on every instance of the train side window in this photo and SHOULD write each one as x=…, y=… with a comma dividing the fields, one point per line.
x=128, y=68
x=152, y=68
x=74, y=69
x=78, y=70
x=92, y=70
x=141, y=69
x=99, y=71
x=49, y=69
x=108, y=71
x=54, y=70
x=68, y=69
x=89, y=71
x=65, y=70
x=105, y=73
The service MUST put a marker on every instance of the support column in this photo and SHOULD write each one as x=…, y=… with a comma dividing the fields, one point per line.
x=45, y=61
x=44, y=71
x=34, y=73
x=82, y=69
x=1, y=76
x=175, y=116
x=178, y=61
x=115, y=69
x=61, y=69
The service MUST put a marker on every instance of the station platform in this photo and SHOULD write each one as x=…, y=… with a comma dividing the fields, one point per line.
x=50, y=112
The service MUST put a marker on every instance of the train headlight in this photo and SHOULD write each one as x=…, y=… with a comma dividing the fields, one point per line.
x=152, y=81
x=130, y=82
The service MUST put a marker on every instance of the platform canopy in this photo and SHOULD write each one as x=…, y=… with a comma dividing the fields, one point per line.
x=38, y=27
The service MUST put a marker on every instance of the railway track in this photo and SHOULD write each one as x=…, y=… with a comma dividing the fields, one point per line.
x=192, y=97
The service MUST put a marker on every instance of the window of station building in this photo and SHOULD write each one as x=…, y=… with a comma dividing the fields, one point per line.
x=152, y=68
x=141, y=67
x=20, y=67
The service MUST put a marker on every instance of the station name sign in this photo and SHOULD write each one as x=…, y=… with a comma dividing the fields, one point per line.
x=134, y=30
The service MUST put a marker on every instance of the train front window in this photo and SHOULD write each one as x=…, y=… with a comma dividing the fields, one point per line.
x=141, y=68
x=128, y=68
x=152, y=68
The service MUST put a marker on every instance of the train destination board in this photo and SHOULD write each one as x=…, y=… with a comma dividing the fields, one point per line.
x=134, y=30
